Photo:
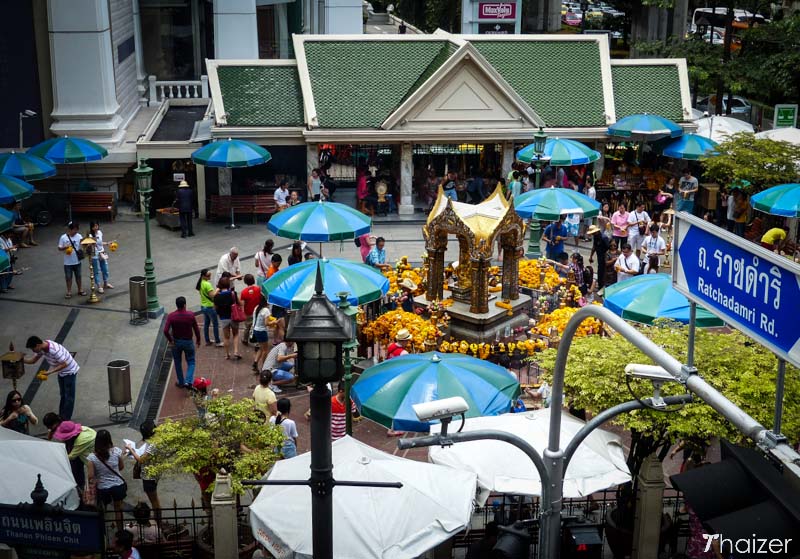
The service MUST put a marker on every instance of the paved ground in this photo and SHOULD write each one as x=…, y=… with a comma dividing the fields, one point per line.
x=100, y=333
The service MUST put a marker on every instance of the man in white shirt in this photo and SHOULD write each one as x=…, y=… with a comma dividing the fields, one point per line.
x=229, y=262
x=69, y=244
x=280, y=361
x=627, y=265
x=653, y=246
x=638, y=220
x=282, y=196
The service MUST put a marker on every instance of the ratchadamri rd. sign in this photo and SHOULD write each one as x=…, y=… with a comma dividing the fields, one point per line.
x=747, y=286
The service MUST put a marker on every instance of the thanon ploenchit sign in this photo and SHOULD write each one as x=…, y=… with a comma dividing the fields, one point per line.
x=747, y=286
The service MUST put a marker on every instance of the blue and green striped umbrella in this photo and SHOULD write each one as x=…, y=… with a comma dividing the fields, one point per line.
x=385, y=392
x=292, y=287
x=320, y=222
x=68, y=150
x=231, y=153
x=783, y=199
x=13, y=189
x=650, y=296
x=25, y=166
x=645, y=127
x=561, y=153
x=548, y=204
x=691, y=147
x=6, y=222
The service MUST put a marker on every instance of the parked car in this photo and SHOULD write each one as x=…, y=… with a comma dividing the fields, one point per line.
x=572, y=19
x=739, y=105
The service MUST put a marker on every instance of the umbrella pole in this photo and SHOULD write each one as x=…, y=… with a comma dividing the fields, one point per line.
x=232, y=225
x=69, y=198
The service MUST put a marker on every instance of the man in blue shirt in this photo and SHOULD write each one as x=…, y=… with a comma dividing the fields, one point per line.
x=554, y=235
x=377, y=256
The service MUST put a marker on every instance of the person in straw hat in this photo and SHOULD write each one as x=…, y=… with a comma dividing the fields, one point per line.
x=407, y=289
x=398, y=347
x=184, y=201
x=599, y=247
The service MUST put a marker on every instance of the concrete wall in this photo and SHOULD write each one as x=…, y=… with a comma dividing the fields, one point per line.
x=121, y=15
x=343, y=17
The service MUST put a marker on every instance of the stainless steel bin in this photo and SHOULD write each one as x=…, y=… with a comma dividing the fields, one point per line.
x=119, y=382
x=138, y=293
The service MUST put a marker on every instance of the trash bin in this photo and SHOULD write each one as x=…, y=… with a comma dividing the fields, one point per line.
x=138, y=293
x=119, y=383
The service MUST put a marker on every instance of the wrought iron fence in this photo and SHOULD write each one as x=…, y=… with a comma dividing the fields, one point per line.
x=507, y=509
x=173, y=532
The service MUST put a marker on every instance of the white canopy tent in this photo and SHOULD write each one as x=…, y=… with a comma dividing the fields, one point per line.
x=435, y=503
x=23, y=457
x=791, y=135
x=599, y=462
x=719, y=128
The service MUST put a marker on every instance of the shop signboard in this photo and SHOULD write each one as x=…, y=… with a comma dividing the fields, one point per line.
x=31, y=528
x=495, y=18
x=497, y=10
x=747, y=286
x=785, y=116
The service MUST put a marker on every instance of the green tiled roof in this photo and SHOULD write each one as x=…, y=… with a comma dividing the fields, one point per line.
x=651, y=89
x=357, y=84
x=446, y=52
x=560, y=80
x=261, y=95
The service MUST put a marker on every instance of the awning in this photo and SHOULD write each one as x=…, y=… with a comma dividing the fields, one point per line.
x=743, y=497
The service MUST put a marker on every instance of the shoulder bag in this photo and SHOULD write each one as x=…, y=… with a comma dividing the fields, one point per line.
x=78, y=251
x=237, y=312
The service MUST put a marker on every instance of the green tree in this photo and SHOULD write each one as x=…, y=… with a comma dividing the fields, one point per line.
x=233, y=436
x=764, y=163
x=739, y=368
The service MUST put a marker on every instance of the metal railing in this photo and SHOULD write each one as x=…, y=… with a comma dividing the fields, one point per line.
x=161, y=90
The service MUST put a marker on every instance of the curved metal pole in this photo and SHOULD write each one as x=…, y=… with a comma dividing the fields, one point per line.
x=611, y=413
x=520, y=443
x=555, y=457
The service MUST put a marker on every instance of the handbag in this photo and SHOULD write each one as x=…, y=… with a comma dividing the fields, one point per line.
x=237, y=312
x=137, y=471
x=78, y=251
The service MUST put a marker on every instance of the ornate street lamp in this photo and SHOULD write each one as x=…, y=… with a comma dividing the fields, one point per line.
x=319, y=329
x=539, y=143
x=144, y=179
x=350, y=345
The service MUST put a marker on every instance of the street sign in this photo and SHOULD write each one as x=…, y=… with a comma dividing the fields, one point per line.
x=747, y=286
x=785, y=116
x=496, y=28
x=24, y=525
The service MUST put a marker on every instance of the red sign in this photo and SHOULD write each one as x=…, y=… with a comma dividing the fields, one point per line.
x=497, y=10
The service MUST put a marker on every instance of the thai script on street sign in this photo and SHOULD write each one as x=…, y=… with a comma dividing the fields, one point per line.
x=66, y=530
x=497, y=10
x=744, y=284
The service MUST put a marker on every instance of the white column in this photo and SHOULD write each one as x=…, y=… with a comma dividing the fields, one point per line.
x=82, y=65
x=223, y=511
x=312, y=159
x=141, y=77
x=406, y=205
x=649, y=509
x=235, y=29
x=344, y=17
x=508, y=158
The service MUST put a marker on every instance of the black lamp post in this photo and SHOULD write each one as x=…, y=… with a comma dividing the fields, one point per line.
x=319, y=329
x=584, y=9
x=539, y=143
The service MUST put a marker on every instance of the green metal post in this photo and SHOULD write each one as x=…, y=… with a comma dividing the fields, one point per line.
x=347, y=347
x=144, y=176
x=535, y=241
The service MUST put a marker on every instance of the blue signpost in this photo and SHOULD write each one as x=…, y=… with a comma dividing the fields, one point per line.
x=747, y=286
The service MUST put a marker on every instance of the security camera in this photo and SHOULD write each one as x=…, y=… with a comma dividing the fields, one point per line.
x=28, y=112
x=650, y=372
x=441, y=409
